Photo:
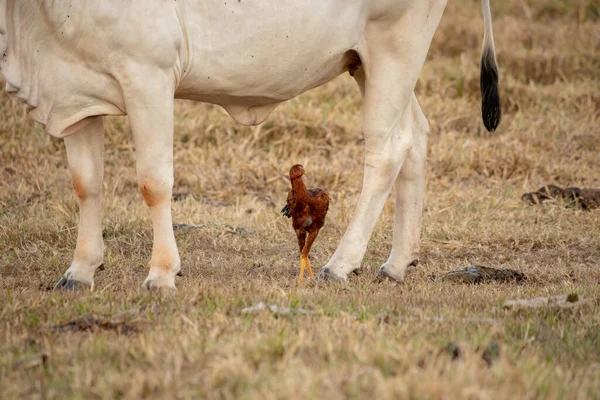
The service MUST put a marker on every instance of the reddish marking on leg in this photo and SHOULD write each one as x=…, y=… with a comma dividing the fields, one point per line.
x=79, y=186
x=163, y=258
x=151, y=191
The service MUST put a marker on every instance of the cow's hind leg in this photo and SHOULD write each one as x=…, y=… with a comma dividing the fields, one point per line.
x=409, y=188
x=150, y=109
x=85, y=150
x=392, y=56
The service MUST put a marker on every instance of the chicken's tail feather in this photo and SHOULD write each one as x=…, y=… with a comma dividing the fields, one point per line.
x=286, y=211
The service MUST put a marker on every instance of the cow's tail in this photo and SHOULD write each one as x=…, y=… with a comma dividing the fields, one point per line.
x=490, y=95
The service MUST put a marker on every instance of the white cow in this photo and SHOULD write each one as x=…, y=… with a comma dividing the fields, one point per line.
x=74, y=62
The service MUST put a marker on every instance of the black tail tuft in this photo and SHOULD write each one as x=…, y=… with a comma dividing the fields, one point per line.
x=490, y=96
x=286, y=211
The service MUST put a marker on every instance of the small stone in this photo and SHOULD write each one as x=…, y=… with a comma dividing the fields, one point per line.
x=453, y=350
x=491, y=353
x=382, y=318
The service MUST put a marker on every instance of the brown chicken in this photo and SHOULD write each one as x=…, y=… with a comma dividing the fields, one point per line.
x=307, y=208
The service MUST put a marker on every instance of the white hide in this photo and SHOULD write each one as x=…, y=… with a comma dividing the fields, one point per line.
x=73, y=62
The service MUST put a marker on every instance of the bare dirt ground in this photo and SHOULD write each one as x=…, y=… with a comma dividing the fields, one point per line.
x=419, y=339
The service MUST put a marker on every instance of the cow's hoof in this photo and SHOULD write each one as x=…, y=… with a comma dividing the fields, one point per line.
x=69, y=285
x=156, y=285
x=387, y=271
x=326, y=274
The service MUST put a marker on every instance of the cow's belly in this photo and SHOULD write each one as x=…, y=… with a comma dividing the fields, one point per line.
x=248, y=56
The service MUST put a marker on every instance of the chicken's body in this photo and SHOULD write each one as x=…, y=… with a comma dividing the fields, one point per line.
x=307, y=208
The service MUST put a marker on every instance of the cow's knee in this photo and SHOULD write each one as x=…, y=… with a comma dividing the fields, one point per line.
x=155, y=188
x=86, y=186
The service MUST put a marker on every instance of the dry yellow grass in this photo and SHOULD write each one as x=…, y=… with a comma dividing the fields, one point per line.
x=363, y=338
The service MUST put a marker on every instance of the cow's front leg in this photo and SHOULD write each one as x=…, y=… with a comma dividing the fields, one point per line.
x=85, y=150
x=150, y=111
x=409, y=188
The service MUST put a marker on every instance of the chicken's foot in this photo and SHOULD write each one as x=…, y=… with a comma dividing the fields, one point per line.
x=301, y=271
x=304, y=264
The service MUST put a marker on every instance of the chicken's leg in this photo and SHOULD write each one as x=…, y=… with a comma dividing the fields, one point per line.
x=302, y=263
x=301, y=235
x=304, y=257
x=310, y=273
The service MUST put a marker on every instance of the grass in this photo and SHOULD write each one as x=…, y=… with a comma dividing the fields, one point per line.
x=362, y=338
